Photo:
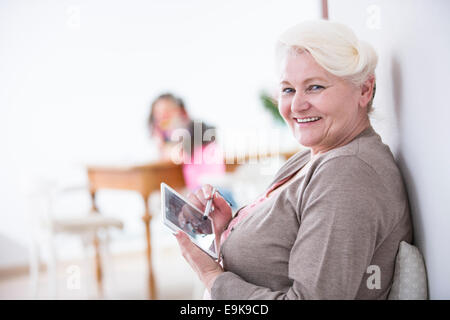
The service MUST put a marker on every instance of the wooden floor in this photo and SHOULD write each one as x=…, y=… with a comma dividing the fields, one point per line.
x=126, y=279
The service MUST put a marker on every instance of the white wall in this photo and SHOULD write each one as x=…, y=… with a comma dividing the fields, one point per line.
x=77, y=77
x=413, y=111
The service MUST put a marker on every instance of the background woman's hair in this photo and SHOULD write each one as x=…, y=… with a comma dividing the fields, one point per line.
x=334, y=47
x=190, y=142
x=169, y=96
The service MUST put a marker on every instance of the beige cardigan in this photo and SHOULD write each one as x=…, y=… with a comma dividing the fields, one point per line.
x=331, y=234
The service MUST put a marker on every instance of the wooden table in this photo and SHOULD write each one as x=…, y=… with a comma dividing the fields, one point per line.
x=146, y=179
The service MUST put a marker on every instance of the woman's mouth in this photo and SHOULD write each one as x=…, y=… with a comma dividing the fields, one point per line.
x=307, y=120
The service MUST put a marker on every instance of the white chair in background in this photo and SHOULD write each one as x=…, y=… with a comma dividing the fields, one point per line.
x=46, y=226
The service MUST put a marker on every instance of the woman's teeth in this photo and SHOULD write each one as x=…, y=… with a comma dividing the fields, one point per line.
x=308, y=119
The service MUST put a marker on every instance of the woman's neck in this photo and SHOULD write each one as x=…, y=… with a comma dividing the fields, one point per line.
x=360, y=127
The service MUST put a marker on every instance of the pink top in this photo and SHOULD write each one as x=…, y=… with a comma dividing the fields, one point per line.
x=249, y=208
x=206, y=161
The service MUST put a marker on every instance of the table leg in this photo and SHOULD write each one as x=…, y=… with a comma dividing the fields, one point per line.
x=98, y=262
x=151, y=280
x=98, y=266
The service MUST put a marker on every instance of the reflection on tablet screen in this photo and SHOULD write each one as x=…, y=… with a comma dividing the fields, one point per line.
x=189, y=219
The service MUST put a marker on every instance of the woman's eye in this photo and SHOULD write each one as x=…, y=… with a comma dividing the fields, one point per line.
x=287, y=90
x=315, y=87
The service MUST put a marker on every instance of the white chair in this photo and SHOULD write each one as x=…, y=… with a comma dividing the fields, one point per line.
x=410, y=277
x=46, y=226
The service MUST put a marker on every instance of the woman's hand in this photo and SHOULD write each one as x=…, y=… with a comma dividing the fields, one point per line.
x=205, y=267
x=221, y=215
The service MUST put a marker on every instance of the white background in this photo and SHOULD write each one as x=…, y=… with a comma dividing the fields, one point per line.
x=77, y=79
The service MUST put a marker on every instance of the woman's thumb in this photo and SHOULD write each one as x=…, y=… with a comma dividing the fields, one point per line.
x=220, y=202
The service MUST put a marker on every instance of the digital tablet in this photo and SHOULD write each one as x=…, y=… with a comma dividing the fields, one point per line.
x=179, y=214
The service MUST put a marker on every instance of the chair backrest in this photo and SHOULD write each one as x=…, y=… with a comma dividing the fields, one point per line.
x=41, y=196
x=38, y=198
x=410, y=277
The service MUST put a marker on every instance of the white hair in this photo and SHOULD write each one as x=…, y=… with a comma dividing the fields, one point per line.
x=334, y=47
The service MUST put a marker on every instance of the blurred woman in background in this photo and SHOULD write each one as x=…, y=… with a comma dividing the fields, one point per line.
x=183, y=140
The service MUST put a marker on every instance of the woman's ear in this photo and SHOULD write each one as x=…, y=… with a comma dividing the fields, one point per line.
x=367, y=91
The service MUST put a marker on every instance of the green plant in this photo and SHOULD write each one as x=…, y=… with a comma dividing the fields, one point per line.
x=271, y=105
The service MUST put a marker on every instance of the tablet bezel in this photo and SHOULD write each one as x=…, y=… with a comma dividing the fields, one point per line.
x=175, y=228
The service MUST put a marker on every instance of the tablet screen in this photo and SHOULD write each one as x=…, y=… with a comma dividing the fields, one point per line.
x=182, y=215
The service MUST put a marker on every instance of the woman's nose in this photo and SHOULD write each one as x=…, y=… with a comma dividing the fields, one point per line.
x=299, y=103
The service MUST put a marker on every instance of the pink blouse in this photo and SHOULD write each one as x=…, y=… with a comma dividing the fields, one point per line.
x=249, y=209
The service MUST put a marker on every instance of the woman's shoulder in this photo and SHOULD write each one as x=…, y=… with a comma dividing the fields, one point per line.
x=368, y=147
x=367, y=156
x=362, y=174
x=299, y=156
x=292, y=164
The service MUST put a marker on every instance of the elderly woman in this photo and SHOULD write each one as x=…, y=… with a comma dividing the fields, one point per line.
x=330, y=223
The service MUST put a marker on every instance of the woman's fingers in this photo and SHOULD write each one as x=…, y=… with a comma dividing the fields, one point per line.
x=222, y=215
x=207, y=191
x=205, y=267
x=199, y=260
x=184, y=242
x=200, y=198
x=220, y=203
x=194, y=199
x=189, y=250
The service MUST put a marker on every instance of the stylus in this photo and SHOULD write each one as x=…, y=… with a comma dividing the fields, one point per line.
x=209, y=204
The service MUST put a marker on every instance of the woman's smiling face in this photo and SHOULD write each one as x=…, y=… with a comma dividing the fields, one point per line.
x=322, y=110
